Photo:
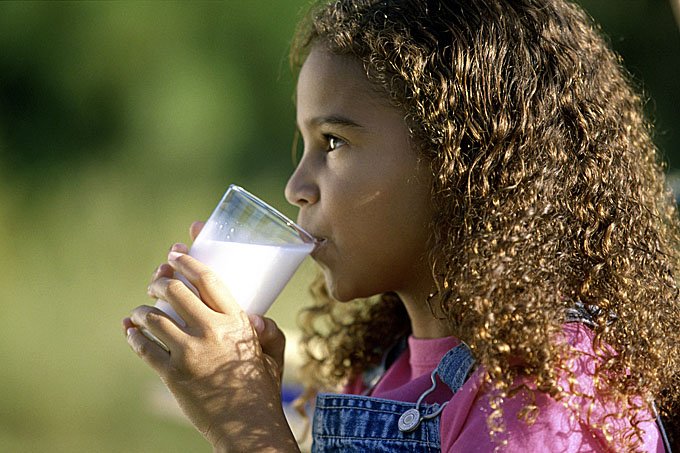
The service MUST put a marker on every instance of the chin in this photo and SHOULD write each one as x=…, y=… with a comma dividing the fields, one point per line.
x=340, y=296
x=336, y=291
x=342, y=292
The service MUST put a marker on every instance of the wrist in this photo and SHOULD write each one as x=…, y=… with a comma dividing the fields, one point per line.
x=255, y=434
x=268, y=446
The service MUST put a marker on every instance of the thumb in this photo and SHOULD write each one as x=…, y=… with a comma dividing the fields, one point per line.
x=271, y=338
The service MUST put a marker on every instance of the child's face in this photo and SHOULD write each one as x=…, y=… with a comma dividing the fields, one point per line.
x=359, y=184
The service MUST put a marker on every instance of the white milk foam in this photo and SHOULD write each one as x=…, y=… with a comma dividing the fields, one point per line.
x=254, y=274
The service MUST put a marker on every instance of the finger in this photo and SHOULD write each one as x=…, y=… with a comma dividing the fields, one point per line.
x=195, y=228
x=271, y=338
x=179, y=247
x=182, y=299
x=158, y=324
x=164, y=270
x=210, y=288
x=127, y=323
x=148, y=350
x=257, y=322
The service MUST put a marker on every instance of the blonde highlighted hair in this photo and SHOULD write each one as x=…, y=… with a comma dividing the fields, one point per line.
x=548, y=193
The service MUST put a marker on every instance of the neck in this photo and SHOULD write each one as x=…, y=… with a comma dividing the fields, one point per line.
x=415, y=294
x=424, y=324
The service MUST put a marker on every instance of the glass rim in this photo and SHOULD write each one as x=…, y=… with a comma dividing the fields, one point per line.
x=306, y=237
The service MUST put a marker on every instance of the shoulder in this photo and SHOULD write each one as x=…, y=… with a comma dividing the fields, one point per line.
x=553, y=430
x=559, y=425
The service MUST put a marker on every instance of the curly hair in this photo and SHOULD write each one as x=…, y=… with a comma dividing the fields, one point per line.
x=548, y=191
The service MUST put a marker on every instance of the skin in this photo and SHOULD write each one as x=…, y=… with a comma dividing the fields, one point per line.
x=361, y=187
x=224, y=368
x=362, y=191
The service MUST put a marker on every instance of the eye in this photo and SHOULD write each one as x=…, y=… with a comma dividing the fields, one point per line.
x=333, y=142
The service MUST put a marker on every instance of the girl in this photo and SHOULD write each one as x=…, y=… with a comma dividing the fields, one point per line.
x=483, y=168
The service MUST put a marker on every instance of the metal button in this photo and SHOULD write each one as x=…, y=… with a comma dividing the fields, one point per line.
x=409, y=420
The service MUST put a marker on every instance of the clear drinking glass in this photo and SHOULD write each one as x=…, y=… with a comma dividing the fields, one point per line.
x=253, y=249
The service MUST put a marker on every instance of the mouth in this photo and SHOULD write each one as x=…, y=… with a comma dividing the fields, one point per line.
x=319, y=244
x=318, y=239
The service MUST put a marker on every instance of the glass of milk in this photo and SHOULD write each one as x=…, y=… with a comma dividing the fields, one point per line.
x=253, y=249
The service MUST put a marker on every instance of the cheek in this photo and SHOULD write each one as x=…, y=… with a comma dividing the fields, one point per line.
x=356, y=265
x=401, y=216
x=391, y=209
x=378, y=253
x=379, y=221
x=341, y=284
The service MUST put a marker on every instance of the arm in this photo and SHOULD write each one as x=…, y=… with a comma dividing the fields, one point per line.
x=223, y=368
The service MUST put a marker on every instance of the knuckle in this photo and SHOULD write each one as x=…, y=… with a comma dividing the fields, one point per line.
x=175, y=369
x=180, y=367
x=174, y=288
x=151, y=318
x=207, y=278
x=138, y=315
x=141, y=349
x=138, y=310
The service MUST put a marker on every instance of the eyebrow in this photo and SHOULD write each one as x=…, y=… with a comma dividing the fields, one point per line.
x=335, y=120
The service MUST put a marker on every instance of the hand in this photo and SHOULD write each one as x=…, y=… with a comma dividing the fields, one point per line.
x=223, y=368
x=272, y=340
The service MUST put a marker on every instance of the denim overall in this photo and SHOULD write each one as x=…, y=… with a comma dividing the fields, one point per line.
x=363, y=423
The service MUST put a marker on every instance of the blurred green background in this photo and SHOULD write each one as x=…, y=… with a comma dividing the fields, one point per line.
x=120, y=123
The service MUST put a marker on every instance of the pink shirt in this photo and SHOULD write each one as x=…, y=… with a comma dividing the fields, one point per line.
x=463, y=421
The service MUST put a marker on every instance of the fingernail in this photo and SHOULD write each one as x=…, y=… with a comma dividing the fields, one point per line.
x=172, y=256
x=257, y=323
x=130, y=331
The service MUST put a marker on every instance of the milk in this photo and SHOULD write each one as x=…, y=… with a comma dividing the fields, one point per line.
x=254, y=274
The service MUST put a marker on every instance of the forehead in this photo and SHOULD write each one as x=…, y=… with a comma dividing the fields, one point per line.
x=332, y=81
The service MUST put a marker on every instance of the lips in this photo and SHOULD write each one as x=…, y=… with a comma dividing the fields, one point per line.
x=318, y=249
x=319, y=244
x=320, y=240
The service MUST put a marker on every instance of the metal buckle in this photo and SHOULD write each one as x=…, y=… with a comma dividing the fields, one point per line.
x=410, y=420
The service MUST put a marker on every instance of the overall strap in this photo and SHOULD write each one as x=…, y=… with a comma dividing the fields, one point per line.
x=453, y=370
x=455, y=366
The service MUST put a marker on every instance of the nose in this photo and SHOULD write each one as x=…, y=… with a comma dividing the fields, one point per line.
x=301, y=189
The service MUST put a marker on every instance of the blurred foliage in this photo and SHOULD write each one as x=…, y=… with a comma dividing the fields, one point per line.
x=122, y=122
x=646, y=35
